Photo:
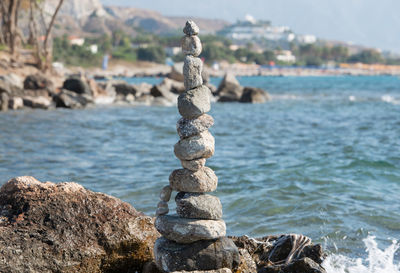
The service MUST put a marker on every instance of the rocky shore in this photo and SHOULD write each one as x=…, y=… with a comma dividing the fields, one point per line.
x=28, y=88
x=49, y=227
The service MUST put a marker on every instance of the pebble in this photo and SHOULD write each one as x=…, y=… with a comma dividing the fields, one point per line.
x=191, y=127
x=193, y=165
x=191, y=28
x=195, y=147
x=192, y=67
x=182, y=230
x=191, y=45
x=162, y=211
x=165, y=194
x=198, y=205
x=204, y=180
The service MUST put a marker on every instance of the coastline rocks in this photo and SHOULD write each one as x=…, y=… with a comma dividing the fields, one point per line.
x=47, y=227
x=163, y=90
x=124, y=88
x=38, y=102
x=15, y=103
x=192, y=67
x=3, y=101
x=186, y=231
x=69, y=99
x=191, y=127
x=193, y=165
x=195, y=147
x=198, y=205
x=195, y=102
x=229, y=89
x=254, y=95
x=201, y=256
x=191, y=28
x=77, y=85
x=37, y=81
x=191, y=45
x=203, y=180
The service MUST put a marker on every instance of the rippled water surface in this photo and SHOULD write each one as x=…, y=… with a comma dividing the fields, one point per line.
x=322, y=158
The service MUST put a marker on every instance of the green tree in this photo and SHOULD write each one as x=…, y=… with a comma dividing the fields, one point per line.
x=151, y=54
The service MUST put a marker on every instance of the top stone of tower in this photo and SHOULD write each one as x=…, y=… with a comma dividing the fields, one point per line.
x=191, y=28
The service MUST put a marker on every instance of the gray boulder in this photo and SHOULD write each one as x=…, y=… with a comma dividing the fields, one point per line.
x=198, y=205
x=193, y=165
x=11, y=84
x=40, y=102
x=69, y=99
x=254, y=95
x=77, y=85
x=186, y=231
x=163, y=90
x=229, y=89
x=15, y=103
x=192, y=67
x=38, y=81
x=201, y=256
x=191, y=45
x=124, y=88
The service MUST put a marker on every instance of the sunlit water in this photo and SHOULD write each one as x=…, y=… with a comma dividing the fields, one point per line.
x=322, y=158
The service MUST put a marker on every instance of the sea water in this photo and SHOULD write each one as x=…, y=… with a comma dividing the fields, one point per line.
x=322, y=158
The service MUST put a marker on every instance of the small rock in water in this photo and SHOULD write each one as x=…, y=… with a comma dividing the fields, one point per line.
x=254, y=95
x=182, y=230
x=192, y=67
x=195, y=147
x=194, y=103
x=204, y=180
x=191, y=45
x=165, y=194
x=198, y=205
x=204, y=256
x=193, y=165
x=191, y=28
x=191, y=127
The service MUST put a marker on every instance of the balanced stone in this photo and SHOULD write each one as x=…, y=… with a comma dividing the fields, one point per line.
x=162, y=211
x=165, y=193
x=201, y=255
x=191, y=127
x=191, y=28
x=195, y=147
x=192, y=67
x=191, y=45
x=194, y=103
x=193, y=165
x=203, y=180
x=186, y=231
x=198, y=205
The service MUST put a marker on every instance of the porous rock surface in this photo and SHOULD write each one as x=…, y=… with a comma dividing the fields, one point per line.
x=193, y=165
x=191, y=127
x=47, y=227
x=195, y=147
x=192, y=67
x=198, y=205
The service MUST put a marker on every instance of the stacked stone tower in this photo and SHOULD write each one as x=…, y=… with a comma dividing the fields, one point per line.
x=194, y=239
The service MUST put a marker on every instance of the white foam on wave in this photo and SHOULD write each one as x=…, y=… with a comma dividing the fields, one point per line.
x=378, y=261
x=390, y=99
x=286, y=97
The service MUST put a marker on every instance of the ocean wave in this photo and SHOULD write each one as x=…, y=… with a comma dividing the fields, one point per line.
x=378, y=261
x=390, y=99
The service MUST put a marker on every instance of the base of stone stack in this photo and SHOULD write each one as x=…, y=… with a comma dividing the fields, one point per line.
x=201, y=255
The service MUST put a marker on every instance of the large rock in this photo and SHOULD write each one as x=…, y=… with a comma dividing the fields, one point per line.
x=254, y=95
x=192, y=67
x=124, y=88
x=69, y=99
x=37, y=81
x=202, y=255
x=11, y=84
x=229, y=89
x=186, y=231
x=193, y=165
x=195, y=102
x=40, y=102
x=203, y=180
x=176, y=72
x=15, y=103
x=77, y=85
x=195, y=147
x=191, y=127
x=164, y=89
x=198, y=205
x=47, y=227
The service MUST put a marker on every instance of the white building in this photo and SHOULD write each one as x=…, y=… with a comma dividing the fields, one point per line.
x=73, y=40
x=285, y=56
x=306, y=39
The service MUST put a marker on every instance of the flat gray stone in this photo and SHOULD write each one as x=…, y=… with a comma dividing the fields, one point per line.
x=191, y=45
x=191, y=28
x=198, y=205
x=195, y=147
x=204, y=180
x=201, y=256
x=165, y=193
x=192, y=67
x=193, y=165
x=186, y=231
x=191, y=127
